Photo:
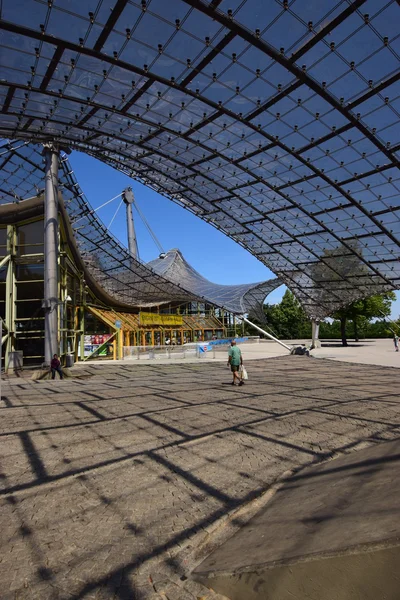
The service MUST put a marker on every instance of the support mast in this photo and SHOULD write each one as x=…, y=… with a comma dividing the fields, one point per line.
x=50, y=302
x=129, y=199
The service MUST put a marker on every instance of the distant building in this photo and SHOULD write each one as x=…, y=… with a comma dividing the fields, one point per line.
x=106, y=299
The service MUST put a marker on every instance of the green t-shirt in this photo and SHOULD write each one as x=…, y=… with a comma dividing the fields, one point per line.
x=235, y=354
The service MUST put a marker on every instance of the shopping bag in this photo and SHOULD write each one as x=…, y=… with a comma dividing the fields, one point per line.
x=243, y=373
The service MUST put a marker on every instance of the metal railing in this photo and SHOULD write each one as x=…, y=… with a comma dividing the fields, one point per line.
x=160, y=352
x=196, y=350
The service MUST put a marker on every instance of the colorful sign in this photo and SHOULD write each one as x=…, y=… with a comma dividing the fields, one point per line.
x=203, y=347
x=98, y=338
x=146, y=318
x=93, y=342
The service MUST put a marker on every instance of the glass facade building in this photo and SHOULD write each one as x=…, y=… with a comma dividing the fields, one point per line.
x=91, y=322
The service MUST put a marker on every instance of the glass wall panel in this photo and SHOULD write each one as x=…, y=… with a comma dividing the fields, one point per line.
x=30, y=347
x=2, y=297
x=30, y=272
x=30, y=325
x=30, y=238
x=93, y=325
x=3, y=241
x=70, y=314
x=27, y=290
x=29, y=309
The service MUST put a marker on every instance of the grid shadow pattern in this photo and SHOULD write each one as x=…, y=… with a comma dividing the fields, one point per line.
x=239, y=299
x=104, y=480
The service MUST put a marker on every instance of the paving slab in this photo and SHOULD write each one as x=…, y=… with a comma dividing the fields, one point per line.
x=332, y=531
x=110, y=484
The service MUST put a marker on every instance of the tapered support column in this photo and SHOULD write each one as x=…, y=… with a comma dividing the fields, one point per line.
x=50, y=302
x=132, y=242
x=11, y=293
x=128, y=198
x=315, y=343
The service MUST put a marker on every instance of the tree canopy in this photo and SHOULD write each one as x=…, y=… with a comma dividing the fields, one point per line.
x=288, y=320
x=360, y=311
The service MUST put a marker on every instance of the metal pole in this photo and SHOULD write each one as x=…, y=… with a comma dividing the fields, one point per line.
x=82, y=330
x=11, y=293
x=266, y=333
x=129, y=199
x=50, y=302
x=63, y=327
x=132, y=242
x=385, y=318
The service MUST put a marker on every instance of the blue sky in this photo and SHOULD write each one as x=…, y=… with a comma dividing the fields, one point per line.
x=213, y=254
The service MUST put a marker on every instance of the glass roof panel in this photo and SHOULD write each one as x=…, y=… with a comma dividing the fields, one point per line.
x=284, y=137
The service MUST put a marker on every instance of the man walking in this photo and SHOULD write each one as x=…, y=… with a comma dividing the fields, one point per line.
x=56, y=366
x=235, y=360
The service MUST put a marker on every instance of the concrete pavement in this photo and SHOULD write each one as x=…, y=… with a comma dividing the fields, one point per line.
x=114, y=486
x=367, y=352
x=374, y=352
x=331, y=531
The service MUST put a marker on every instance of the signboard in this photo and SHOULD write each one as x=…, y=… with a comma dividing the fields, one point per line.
x=203, y=347
x=92, y=342
x=146, y=318
x=118, y=324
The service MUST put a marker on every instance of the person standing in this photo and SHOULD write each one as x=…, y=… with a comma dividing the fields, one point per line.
x=396, y=342
x=56, y=367
x=235, y=360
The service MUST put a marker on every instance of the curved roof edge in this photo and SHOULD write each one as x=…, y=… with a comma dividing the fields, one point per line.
x=236, y=298
x=114, y=276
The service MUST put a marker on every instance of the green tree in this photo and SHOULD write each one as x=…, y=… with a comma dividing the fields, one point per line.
x=288, y=319
x=340, y=269
x=362, y=311
x=335, y=273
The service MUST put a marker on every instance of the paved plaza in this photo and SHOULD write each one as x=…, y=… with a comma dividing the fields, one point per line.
x=116, y=485
x=369, y=351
